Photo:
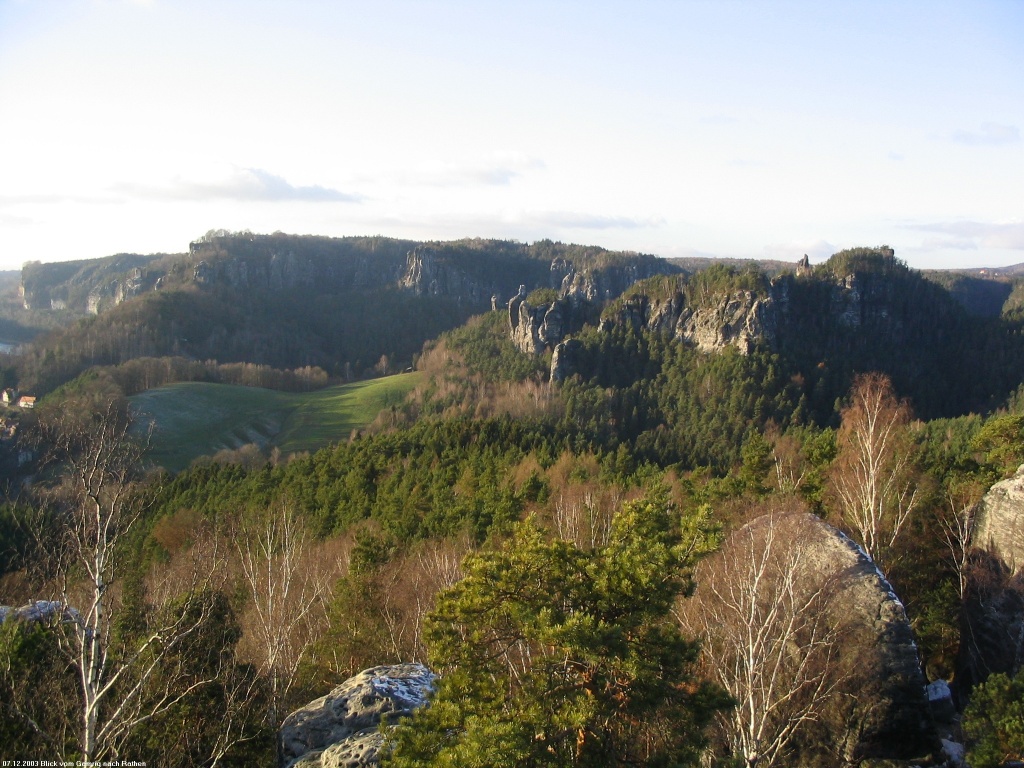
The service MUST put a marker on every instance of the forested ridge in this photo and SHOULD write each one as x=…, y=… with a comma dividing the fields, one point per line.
x=537, y=542
x=352, y=306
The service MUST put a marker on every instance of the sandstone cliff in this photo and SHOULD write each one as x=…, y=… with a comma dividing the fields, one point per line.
x=739, y=319
x=534, y=329
x=601, y=282
x=470, y=272
x=992, y=621
x=85, y=285
x=999, y=522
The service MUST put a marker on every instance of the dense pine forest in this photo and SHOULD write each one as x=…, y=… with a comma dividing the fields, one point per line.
x=613, y=470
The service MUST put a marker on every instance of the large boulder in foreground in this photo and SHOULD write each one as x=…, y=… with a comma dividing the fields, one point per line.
x=342, y=729
x=793, y=591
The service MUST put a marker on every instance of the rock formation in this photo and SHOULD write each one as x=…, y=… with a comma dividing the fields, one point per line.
x=39, y=610
x=564, y=359
x=993, y=613
x=878, y=709
x=999, y=522
x=534, y=329
x=342, y=729
x=739, y=319
x=843, y=312
x=604, y=282
x=428, y=273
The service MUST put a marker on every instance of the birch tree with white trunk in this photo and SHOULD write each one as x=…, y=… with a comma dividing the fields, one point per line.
x=873, y=479
x=99, y=499
x=287, y=593
x=760, y=609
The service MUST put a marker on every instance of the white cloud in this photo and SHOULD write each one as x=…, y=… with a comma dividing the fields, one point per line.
x=48, y=199
x=990, y=135
x=13, y=220
x=972, y=235
x=243, y=184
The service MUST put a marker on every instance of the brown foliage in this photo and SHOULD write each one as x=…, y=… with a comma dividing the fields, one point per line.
x=872, y=481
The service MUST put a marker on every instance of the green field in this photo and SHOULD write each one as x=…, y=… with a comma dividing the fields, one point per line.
x=198, y=419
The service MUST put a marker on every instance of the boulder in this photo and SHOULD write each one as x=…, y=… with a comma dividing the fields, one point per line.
x=343, y=727
x=999, y=522
x=940, y=700
x=877, y=708
x=39, y=611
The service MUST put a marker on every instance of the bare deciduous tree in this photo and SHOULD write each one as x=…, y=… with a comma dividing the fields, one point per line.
x=760, y=607
x=435, y=566
x=791, y=468
x=99, y=499
x=956, y=521
x=582, y=513
x=287, y=598
x=872, y=477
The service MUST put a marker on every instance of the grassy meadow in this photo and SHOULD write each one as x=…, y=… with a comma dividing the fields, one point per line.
x=198, y=419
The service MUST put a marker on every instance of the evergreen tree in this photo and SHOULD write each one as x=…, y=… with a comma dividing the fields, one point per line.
x=994, y=722
x=553, y=655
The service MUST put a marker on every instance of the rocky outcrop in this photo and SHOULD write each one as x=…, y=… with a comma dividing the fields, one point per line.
x=427, y=275
x=342, y=729
x=739, y=319
x=993, y=612
x=999, y=522
x=535, y=329
x=433, y=272
x=604, y=282
x=565, y=359
x=88, y=285
x=878, y=708
x=118, y=290
x=841, y=311
x=39, y=610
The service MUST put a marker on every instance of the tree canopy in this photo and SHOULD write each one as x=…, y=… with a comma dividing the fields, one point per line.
x=554, y=655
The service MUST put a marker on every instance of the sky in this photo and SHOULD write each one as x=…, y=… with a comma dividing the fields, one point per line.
x=678, y=128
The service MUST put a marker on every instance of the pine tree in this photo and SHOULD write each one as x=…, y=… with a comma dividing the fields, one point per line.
x=551, y=655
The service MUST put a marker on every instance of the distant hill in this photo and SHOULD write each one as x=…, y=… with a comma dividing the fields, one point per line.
x=352, y=306
x=697, y=263
x=948, y=342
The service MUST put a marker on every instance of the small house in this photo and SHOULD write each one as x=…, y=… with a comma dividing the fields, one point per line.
x=27, y=401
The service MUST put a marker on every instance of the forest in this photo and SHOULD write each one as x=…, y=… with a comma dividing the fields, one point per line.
x=629, y=565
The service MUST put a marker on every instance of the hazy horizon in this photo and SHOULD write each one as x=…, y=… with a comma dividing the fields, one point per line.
x=717, y=129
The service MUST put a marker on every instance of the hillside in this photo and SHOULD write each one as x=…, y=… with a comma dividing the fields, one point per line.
x=196, y=419
x=861, y=311
x=610, y=437
x=352, y=306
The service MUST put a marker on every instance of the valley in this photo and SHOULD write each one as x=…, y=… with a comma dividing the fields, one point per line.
x=543, y=482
